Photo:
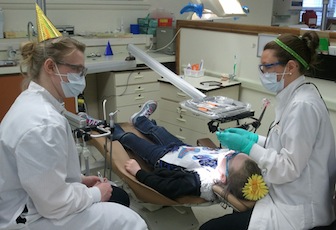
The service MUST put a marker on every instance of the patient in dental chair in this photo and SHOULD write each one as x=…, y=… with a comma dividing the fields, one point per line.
x=183, y=170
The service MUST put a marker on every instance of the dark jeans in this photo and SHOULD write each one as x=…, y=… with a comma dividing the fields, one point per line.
x=119, y=196
x=234, y=221
x=161, y=143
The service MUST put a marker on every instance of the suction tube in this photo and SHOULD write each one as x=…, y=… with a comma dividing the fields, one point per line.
x=166, y=73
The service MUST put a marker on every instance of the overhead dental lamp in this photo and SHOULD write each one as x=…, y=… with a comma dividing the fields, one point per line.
x=214, y=9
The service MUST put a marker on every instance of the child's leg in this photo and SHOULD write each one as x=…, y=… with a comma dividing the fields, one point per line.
x=148, y=151
x=155, y=133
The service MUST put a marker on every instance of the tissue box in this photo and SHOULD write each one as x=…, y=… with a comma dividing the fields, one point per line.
x=193, y=73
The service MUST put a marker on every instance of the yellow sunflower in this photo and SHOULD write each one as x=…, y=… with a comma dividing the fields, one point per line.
x=255, y=188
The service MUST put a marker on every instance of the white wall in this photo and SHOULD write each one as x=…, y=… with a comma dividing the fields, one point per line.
x=86, y=15
x=102, y=15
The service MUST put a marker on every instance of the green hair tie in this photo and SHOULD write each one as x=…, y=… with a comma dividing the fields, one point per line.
x=292, y=52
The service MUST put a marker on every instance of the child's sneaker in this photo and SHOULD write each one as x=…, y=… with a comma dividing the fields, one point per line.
x=90, y=121
x=146, y=110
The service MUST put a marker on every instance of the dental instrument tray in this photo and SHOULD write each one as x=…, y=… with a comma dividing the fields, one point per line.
x=218, y=108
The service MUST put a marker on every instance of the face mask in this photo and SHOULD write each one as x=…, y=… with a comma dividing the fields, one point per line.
x=75, y=86
x=271, y=83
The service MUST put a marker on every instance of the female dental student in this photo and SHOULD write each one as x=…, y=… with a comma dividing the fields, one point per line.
x=41, y=186
x=298, y=155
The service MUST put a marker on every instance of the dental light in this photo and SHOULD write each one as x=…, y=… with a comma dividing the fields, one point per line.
x=214, y=9
x=166, y=73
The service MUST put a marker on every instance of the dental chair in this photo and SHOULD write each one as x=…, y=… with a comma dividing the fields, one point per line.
x=147, y=196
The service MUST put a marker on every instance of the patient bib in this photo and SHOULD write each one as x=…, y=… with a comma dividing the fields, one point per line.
x=193, y=157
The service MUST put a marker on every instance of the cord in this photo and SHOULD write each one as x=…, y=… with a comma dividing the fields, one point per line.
x=167, y=44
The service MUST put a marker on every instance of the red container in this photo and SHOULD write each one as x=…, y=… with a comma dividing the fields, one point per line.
x=310, y=18
x=164, y=22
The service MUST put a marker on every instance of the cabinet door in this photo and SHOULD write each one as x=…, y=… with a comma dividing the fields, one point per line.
x=10, y=88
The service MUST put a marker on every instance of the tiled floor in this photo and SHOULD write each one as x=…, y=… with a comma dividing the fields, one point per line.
x=161, y=218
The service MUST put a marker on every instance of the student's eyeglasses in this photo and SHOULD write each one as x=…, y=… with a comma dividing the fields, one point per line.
x=82, y=70
x=228, y=157
x=264, y=67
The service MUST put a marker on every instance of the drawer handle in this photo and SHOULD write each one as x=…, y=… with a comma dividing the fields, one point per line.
x=180, y=137
x=180, y=110
x=138, y=77
x=139, y=98
x=181, y=119
x=139, y=89
x=181, y=94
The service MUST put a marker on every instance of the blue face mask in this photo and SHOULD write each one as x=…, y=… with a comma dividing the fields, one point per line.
x=75, y=86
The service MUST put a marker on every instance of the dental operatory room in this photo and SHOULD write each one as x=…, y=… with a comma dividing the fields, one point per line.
x=168, y=114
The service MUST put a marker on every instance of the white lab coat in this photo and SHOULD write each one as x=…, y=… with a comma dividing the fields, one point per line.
x=299, y=163
x=39, y=168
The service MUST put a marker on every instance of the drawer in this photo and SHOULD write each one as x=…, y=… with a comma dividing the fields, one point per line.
x=185, y=121
x=170, y=92
x=133, y=99
x=231, y=92
x=175, y=107
x=135, y=77
x=126, y=112
x=186, y=135
x=138, y=88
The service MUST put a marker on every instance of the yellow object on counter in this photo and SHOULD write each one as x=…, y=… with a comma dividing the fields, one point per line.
x=15, y=34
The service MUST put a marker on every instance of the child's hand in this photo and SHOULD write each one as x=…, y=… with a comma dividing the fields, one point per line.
x=132, y=166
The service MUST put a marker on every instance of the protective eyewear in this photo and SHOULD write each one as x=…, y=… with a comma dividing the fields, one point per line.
x=82, y=70
x=228, y=157
x=264, y=67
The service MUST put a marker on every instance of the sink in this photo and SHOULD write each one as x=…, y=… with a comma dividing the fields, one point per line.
x=7, y=63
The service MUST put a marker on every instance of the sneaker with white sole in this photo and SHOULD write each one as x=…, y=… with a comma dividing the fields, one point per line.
x=146, y=110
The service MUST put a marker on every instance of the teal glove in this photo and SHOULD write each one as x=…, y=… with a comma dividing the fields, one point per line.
x=249, y=135
x=235, y=141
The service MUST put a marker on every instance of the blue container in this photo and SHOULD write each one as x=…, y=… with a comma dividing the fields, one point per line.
x=135, y=28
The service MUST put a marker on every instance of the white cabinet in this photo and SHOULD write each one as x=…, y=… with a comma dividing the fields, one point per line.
x=183, y=123
x=127, y=92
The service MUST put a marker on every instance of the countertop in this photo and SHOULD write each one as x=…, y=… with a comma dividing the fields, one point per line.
x=115, y=62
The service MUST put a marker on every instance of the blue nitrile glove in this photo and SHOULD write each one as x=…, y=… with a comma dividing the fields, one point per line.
x=235, y=142
x=249, y=135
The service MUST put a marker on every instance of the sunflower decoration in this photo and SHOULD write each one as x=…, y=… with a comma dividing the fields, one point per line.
x=255, y=188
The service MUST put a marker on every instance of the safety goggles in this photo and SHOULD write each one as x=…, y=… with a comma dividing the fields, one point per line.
x=228, y=157
x=264, y=67
x=82, y=70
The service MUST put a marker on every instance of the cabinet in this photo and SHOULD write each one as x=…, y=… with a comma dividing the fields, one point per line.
x=184, y=124
x=10, y=88
x=127, y=91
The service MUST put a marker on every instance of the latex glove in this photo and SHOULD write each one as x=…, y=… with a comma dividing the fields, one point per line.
x=235, y=141
x=249, y=135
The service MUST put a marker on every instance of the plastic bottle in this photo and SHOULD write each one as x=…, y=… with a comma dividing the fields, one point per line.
x=2, y=22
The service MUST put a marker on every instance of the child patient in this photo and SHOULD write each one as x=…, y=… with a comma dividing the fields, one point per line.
x=183, y=170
